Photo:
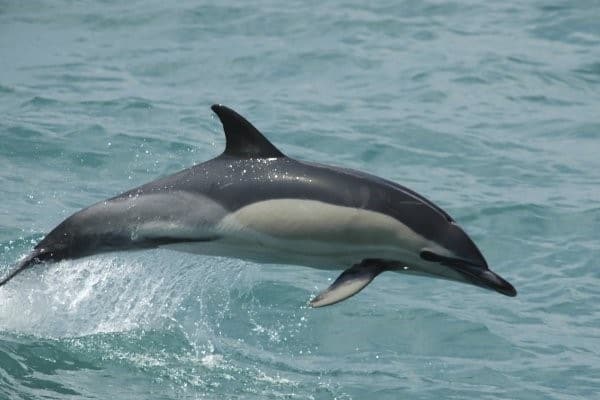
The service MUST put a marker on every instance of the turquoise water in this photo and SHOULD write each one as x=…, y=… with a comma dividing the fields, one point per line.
x=491, y=110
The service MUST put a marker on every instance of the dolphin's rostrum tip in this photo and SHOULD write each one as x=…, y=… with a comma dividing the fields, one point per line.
x=491, y=280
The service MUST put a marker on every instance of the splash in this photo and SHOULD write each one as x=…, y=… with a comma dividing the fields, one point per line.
x=116, y=293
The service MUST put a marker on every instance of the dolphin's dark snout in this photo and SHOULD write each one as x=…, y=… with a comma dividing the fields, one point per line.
x=477, y=274
x=487, y=279
x=498, y=283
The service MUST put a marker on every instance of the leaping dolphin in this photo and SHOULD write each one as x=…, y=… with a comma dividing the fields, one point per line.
x=252, y=202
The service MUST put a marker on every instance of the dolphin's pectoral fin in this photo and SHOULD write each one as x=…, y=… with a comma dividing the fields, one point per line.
x=350, y=282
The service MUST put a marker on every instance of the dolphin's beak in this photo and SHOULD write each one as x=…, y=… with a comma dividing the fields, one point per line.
x=476, y=272
x=486, y=278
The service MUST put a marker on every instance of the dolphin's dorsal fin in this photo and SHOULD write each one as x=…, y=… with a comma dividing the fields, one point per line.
x=241, y=138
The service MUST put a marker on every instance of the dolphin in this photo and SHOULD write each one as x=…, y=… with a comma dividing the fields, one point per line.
x=254, y=203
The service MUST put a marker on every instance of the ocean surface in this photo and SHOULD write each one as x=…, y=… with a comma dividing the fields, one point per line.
x=490, y=109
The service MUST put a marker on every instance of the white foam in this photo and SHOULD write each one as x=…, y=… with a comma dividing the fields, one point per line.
x=212, y=361
x=115, y=293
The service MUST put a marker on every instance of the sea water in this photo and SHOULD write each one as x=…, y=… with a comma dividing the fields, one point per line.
x=490, y=109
